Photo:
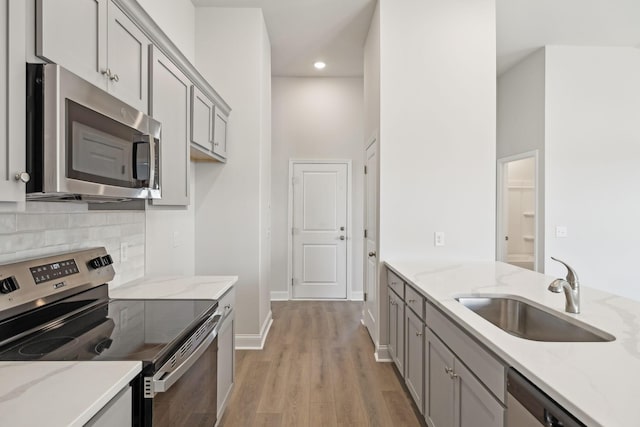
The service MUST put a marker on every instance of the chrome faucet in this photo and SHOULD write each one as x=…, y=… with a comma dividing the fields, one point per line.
x=570, y=286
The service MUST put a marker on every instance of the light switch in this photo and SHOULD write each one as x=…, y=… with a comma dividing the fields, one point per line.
x=561, y=231
x=438, y=238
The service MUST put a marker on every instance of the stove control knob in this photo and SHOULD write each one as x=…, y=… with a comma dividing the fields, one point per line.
x=107, y=260
x=95, y=263
x=9, y=284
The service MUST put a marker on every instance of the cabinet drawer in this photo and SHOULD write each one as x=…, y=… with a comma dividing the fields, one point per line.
x=415, y=301
x=482, y=363
x=395, y=283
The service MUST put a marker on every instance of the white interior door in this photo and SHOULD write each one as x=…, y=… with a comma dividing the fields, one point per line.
x=319, y=233
x=371, y=239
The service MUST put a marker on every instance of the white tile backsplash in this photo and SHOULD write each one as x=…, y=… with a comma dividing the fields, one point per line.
x=47, y=228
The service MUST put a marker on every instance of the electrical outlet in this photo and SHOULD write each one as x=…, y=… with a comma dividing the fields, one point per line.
x=124, y=252
x=561, y=231
x=438, y=238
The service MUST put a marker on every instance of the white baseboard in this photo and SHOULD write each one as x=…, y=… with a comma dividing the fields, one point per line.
x=254, y=341
x=279, y=295
x=382, y=354
x=357, y=296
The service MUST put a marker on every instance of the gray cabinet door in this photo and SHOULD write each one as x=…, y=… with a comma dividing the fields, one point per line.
x=441, y=387
x=202, y=112
x=127, y=58
x=12, y=109
x=414, y=346
x=475, y=406
x=225, y=363
x=393, y=327
x=220, y=133
x=169, y=104
x=73, y=33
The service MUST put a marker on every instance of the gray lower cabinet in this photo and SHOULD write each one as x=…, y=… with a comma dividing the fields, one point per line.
x=116, y=413
x=456, y=398
x=414, y=368
x=396, y=330
x=226, y=352
x=170, y=96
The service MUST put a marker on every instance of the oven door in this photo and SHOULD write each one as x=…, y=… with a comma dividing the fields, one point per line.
x=186, y=396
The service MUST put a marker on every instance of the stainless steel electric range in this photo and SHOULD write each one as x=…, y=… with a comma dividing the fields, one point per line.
x=58, y=308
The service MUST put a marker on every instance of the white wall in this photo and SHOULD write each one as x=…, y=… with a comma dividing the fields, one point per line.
x=315, y=119
x=372, y=79
x=593, y=148
x=437, y=129
x=521, y=123
x=177, y=20
x=231, y=205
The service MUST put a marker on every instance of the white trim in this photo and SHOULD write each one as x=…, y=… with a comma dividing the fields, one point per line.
x=382, y=354
x=255, y=341
x=501, y=187
x=279, y=295
x=349, y=233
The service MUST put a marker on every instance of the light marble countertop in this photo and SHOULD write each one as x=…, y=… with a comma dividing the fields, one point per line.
x=72, y=392
x=598, y=382
x=175, y=287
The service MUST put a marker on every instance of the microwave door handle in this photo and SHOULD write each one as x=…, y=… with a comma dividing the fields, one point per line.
x=163, y=384
x=152, y=161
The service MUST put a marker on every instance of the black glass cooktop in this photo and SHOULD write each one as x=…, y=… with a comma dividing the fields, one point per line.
x=145, y=330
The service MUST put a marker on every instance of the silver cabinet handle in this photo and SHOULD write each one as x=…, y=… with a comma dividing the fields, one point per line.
x=372, y=254
x=23, y=177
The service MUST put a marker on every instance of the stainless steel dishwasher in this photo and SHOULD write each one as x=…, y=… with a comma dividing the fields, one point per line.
x=528, y=406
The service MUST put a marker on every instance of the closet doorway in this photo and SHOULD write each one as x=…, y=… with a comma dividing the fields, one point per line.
x=518, y=230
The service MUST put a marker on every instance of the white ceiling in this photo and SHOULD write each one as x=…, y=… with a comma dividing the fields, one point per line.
x=303, y=31
x=526, y=25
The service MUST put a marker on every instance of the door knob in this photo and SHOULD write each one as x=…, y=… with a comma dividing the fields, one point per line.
x=23, y=176
x=341, y=237
x=341, y=228
x=372, y=254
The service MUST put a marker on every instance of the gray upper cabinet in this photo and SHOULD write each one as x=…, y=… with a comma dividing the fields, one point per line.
x=127, y=59
x=81, y=24
x=98, y=42
x=220, y=133
x=201, y=120
x=169, y=103
x=12, y=109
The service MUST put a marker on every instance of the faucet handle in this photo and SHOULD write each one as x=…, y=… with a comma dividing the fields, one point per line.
x=572, y=276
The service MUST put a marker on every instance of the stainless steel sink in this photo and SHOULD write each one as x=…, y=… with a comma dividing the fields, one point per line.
x=527, y=321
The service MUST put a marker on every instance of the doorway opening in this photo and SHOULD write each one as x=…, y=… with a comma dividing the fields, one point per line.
x=518, y=233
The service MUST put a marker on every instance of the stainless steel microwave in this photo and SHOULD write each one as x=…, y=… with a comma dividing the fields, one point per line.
x=83, y=144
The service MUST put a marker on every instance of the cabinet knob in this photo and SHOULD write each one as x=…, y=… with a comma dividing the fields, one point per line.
x=372, y=254
x=215, y=144
x=23, y=177
x=114, y=78
x=418, y=334
x=411, y=301
x=106, y=72
x=227, y=307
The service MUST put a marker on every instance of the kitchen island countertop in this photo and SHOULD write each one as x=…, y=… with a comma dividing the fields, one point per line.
x=599, y=382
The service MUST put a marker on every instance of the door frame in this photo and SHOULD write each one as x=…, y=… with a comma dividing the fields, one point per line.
x=348, y=233
x=501, y=207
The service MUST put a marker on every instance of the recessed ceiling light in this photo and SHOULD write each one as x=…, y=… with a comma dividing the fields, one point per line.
x=319, y=65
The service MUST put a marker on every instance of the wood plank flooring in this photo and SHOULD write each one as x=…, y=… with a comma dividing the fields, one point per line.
x=317, y=369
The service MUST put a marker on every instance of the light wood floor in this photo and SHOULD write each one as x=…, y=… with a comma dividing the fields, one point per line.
x=317, y=369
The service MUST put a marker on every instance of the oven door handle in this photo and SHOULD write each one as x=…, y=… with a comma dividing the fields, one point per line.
x=164, y=384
